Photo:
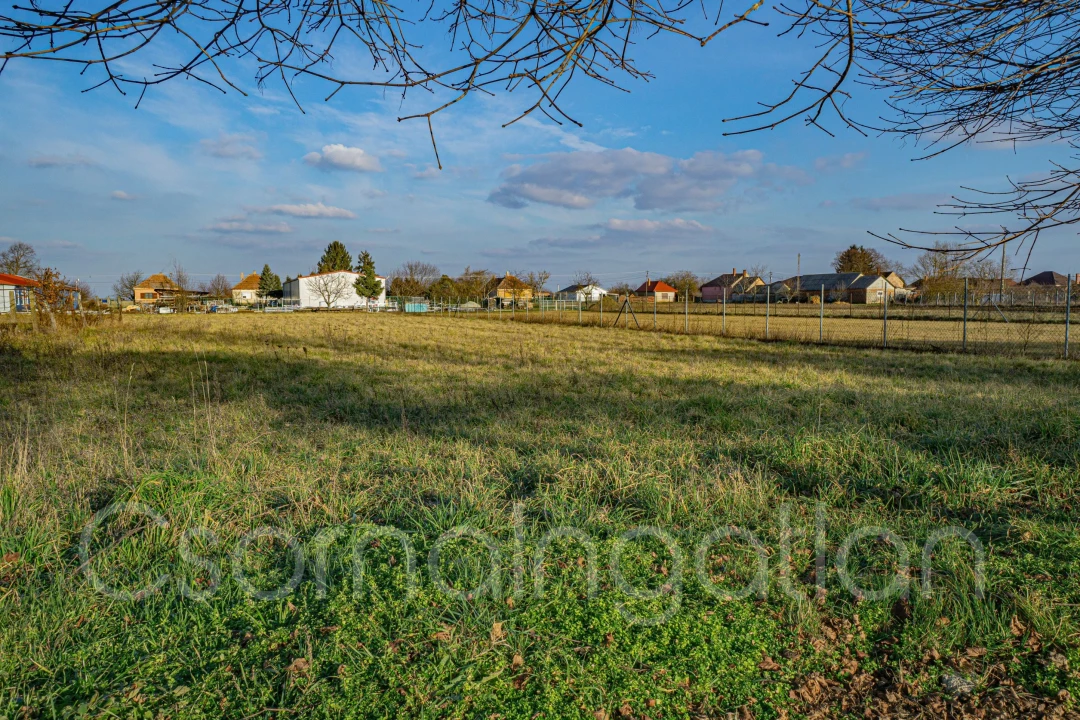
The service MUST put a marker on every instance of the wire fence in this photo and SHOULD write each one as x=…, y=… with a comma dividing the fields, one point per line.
x=1018, y=322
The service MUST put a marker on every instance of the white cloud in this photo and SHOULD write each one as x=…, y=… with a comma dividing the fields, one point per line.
x=243, y=226
x=832, y=163
x=579, y=180
x=233, y=147
x=642, y=225
x=431, y=171
x=60, y=161
x=341, y=157
x=121, y=195
x=309, y=210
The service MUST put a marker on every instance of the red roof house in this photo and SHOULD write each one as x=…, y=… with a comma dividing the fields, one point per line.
x=658, y=290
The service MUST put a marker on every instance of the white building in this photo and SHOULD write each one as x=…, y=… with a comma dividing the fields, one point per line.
x=581, y=293
x=330, y=289
x=15, y=293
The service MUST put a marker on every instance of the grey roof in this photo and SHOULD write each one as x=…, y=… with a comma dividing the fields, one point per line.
x=866, y=282
x=1048, y=278
x=727, y=280
x=577, y=288
x=831, y=281
x=892, y=274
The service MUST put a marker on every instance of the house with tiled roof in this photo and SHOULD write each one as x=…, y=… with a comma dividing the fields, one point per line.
x=246, y=292
x=506, y=291
x=158, y=288
x=723, y=287
x=870, y=290
x=1047, y=278
x=657, y=291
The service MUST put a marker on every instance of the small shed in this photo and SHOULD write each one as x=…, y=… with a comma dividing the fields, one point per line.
x=16, y=293
x=870, y=290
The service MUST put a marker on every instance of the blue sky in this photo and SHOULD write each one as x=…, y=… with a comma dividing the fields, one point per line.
x=226, y=183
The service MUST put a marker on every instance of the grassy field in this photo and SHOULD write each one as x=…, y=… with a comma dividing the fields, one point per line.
x=265, y=449
x=1024, y=334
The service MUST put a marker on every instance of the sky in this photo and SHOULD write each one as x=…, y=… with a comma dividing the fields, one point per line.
x=225, y=183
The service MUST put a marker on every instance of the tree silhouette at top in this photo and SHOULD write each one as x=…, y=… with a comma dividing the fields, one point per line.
x=335, y=257
x=861, y=260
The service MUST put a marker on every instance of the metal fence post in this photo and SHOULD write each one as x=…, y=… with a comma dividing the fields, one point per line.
x=885, y=321
x=579, y=312
x=601, y=311
x=686, y=310
x=965, y=313
x=723, y=321
x=821, y=317
x=767, y=293
x=1068, y=309
x=653, y=304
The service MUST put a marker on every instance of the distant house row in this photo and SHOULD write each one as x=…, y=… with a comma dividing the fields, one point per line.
x=331, y=289
x=337, y=289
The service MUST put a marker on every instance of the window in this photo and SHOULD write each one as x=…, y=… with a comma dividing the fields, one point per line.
x=147, y=296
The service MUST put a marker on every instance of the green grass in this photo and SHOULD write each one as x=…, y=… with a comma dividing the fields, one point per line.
x=345, y=423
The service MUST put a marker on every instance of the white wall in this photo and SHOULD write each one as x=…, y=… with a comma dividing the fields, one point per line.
x=301, y=292
x=590, y=293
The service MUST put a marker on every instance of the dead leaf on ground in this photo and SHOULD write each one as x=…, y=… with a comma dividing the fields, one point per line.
x=768, y=664
x=299, y=666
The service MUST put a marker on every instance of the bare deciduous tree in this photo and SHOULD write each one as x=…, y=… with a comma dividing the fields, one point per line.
x=536, y=281
x=124, y=287
x=951, y=72
x=182, y=286
x=331, y=287
x=471, y=283
x=19, y=258
x=413, y=279
x=219, y=287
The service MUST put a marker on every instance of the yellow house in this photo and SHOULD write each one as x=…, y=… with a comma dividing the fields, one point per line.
x=158, y=288
x=507, y=290
x=246, y=292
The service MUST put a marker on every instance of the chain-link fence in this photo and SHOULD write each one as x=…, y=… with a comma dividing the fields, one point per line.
x=1022, y=321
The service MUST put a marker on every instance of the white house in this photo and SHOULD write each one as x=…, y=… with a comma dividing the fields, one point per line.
x=15, y=293
x=330, y=289
x=581, y=293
